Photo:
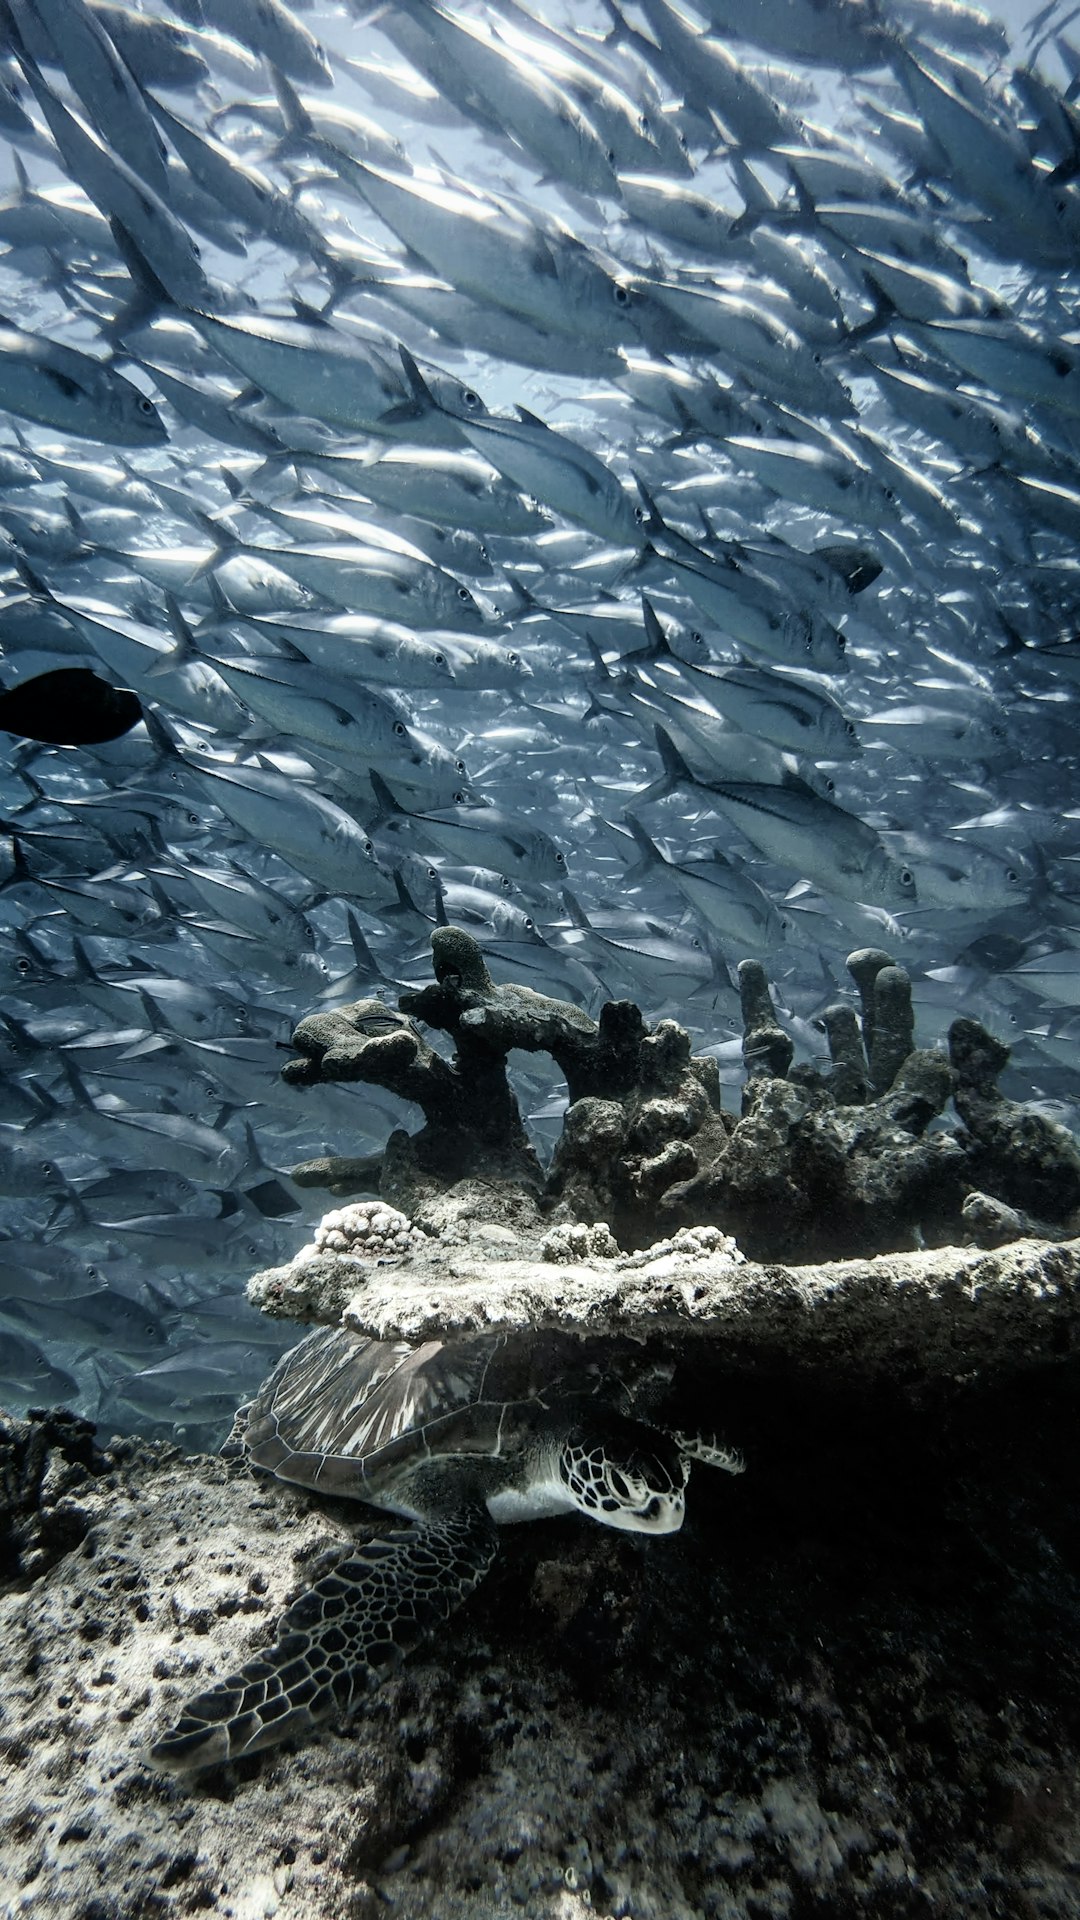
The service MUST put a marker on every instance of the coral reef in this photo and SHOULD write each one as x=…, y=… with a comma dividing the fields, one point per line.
x=821, y=1164
x=848, y=1685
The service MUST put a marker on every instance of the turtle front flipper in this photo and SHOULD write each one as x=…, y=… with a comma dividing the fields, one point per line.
x=346, y=1633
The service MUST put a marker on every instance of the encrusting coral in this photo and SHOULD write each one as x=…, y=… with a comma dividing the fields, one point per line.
x=822, y=1163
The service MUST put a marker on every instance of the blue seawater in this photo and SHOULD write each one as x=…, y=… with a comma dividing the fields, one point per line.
x=740, y=399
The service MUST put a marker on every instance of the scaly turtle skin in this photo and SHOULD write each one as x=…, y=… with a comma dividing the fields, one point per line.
x=459, y=1437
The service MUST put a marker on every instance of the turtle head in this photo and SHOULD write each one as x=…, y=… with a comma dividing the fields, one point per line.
x=625, y=1475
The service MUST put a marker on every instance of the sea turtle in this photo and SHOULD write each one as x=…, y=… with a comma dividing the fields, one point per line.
x=458, y=1436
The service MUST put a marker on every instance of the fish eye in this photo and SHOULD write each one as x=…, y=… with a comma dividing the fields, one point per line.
x=400, y=729
x=145, y=404
x=514, y=659
x=309, y=934
x=611, y=156
x=464, y=594
x=529, y=927
x=193, y=820
x=640, y=516
x=440, y=659
x=460, y=767
x=849, y=729
x=369, y=848
x=620, y=294
x=22, y=964
x=1012, y=876
x=841, y=641
x=907, y=878
x=471, y=399
x=643, y=125
x=560, y=859
x=460, y=799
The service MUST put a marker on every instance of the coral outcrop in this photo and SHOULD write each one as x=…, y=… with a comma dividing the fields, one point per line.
x=820, y=1164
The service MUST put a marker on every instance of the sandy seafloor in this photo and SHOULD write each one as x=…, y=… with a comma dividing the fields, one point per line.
x=849, y=1686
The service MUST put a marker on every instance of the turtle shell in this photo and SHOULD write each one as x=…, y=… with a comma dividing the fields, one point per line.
x=345, y=1415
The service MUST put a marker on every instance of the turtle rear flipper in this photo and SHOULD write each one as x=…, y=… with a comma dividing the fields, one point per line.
x=345, y=1633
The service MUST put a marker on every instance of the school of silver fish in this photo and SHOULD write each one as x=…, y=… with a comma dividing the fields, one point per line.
x=590, y=477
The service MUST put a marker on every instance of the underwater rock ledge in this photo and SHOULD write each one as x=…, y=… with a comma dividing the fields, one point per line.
x=905, y=1317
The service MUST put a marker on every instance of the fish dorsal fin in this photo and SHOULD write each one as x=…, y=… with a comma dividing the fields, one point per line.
x=656, y=638
x=388, y=804
x=578, y=916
